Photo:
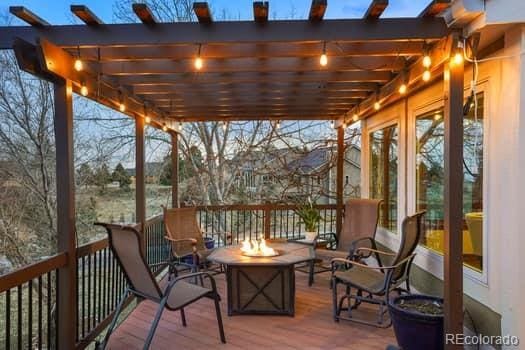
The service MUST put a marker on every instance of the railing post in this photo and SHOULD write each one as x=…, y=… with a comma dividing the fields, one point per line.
x=339, y=178
x=174, y=170
x=140, y=185
x=66, y=237
x=453, y=193
x=267, y=221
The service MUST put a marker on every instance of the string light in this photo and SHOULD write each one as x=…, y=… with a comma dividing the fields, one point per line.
x=147, y=119
x=83, y=89
x=427, y=61
x=457, y=58
x=403, y=89
x=180, y=126
x=437, y=116
x=344, y=125
x=224, y=126
x=377, y=105
x=355, y=117
x=78, y=65
x=164, y=128
x=278, y=124
x=426, y=75
x=122, y=105
x=323, y=61
x=332, y=124
x=198, y=60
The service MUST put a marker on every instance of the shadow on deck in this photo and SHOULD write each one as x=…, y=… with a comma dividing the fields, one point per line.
x=311, y=328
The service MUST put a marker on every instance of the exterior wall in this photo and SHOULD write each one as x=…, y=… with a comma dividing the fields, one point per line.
x=500, y=287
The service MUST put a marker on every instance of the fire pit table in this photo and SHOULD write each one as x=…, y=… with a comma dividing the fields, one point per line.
x=262, y=285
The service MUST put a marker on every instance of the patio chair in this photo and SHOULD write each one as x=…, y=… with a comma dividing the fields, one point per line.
x=186, y=238
x=124, y=242
x=376, y=281
x=359, y=229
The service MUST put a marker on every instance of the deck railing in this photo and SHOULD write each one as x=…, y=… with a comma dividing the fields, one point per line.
x=28, y=296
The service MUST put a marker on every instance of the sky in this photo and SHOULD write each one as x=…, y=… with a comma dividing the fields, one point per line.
x=57, y=11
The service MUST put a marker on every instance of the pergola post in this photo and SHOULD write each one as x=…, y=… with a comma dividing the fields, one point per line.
x=339, y=178
x=140, y=184
x=453, y=197
x=66, y=237
x=174, y=170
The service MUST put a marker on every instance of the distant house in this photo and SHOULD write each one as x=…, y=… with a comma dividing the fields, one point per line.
x=153, y=171
x=299, y=172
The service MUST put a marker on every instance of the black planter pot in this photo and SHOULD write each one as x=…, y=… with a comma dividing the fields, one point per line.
x=415, y=330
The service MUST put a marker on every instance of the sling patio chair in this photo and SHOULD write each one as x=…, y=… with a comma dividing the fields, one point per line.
x=376, y=281
x=125, y=243
x=361, y=216
x=186, y=238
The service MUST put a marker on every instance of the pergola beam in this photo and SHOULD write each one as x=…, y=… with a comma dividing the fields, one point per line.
x=260, y=11
x=317, y=10
x=320, y=78
x=238, y=50
x=274, y=65
x=376, y=8
x=203, y=12
x=28, y=16
x=144, y=13
x=434, y=8
x=86, y=15
x=239, y=117
x=347, y=30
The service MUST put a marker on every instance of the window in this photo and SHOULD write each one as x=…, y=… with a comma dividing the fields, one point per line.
x=430, y=180
x=383, y=173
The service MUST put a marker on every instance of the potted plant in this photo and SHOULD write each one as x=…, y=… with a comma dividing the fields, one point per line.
x=310, y=217
x=418, y=322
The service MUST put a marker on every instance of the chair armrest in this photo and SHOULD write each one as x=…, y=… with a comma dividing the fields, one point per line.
x=188, y=276
x=338, y=261
x=376, y=251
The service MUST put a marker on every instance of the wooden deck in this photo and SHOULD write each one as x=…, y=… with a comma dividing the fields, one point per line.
x=311, y=328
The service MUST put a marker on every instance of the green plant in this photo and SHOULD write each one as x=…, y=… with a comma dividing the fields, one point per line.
x=310, y=216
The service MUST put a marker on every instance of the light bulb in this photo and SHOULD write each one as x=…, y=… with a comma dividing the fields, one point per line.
x=122, y=107
x=78, y=65
x=437, y=116
x=84, y=90
x=344, y=125
x=355, y=117
x=377, y=105
x=403, y=89
x=198, y=63
x=164, y=128
x=323, y=61
x=332, y=124
x=278, y=125
x=180, y=126
x=224, y=126
x=427, y=61
x=458, y=58
x=147, y=119
x=426, y=75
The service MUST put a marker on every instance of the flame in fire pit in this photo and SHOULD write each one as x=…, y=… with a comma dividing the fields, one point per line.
x=257, y=248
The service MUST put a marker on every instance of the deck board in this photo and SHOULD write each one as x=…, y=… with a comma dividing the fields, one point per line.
x=311, y=328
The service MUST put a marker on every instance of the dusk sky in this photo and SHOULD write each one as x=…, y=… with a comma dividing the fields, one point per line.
x=57, y=11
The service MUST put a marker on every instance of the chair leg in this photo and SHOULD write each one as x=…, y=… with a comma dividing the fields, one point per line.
x=118, y=310
x=155, y=323
x=335, y=312
x=219, y=318
x=183, y=317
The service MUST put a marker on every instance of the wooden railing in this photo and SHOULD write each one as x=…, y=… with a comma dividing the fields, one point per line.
x=28, y=296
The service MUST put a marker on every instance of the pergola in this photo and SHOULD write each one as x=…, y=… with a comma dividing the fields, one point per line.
x=164, y=74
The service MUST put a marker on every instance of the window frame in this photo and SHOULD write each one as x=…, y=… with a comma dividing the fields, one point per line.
x=434, y=260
